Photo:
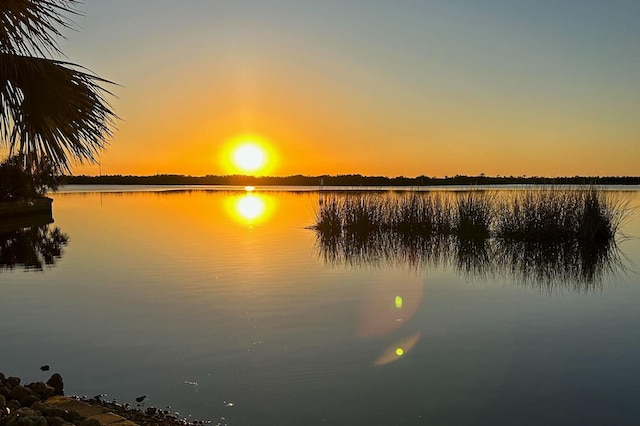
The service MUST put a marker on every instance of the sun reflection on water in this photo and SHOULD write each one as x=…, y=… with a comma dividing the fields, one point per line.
x=250, y=208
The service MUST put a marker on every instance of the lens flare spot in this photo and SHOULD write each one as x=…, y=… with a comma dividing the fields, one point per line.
x=397, y=350
x=385, y=308
x=398, y=302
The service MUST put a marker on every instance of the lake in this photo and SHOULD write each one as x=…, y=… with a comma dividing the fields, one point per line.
x=224, y=305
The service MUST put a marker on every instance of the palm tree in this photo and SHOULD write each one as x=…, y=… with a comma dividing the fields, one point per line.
x=50, y=110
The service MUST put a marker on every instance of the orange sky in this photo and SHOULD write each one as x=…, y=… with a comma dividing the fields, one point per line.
x=372, y=88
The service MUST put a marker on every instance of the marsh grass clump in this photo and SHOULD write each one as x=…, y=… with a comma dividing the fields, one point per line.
x=474, y=211
x=585, y=215
x=600, y=217
x=420, y=214
x=538, y=215
x=364, y=214
x=329, y=217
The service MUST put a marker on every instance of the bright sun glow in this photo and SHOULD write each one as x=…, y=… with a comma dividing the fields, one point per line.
x=250, y=207
x=248, y=154
x=249, y=157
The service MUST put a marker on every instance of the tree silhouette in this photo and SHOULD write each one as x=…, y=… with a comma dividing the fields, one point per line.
x=50, y=110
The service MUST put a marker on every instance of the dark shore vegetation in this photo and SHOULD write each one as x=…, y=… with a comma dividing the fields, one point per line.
x=349, y=180
x=543, y=237
x=18, y=183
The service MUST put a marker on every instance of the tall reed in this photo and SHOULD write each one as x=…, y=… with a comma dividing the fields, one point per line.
x=586, y=215
x=474, y=214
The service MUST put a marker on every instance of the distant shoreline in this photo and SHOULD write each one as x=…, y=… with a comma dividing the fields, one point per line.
x=348, y=180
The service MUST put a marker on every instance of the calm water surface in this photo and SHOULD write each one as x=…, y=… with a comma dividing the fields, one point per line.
x=200, y=299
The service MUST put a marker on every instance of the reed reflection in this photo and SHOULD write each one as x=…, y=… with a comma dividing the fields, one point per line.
x=31, y=246
x=546, y=265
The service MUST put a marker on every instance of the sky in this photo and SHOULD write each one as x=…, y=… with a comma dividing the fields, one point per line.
x=435, y=88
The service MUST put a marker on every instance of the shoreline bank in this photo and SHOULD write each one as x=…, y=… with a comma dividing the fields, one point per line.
x=44, y=404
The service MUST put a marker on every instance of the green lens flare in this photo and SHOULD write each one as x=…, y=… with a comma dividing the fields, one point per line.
x=398, y=302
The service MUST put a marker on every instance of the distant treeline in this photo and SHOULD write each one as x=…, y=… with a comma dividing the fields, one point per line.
x=347, y=180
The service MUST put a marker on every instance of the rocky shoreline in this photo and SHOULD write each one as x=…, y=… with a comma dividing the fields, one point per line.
x=39, y=404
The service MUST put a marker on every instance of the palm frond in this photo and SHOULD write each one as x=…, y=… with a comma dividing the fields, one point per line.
x=30, y=27
x=52, y=110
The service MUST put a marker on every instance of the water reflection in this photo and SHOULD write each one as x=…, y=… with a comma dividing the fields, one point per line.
x=544, y=265
x=250, y=208
x=31, y=245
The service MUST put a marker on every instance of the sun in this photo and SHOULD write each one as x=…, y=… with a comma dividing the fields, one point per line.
x=249, y=157
x=249, y=154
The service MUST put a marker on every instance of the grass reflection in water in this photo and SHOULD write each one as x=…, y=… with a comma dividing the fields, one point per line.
x=544, y=238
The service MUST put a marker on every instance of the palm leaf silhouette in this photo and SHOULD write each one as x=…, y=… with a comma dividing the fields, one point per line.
x=50, y=109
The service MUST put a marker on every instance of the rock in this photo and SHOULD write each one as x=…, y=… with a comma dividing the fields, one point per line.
x=56, y=383
x=28, y=421
x=42, y=389
x=13, y=404
x=90, y=422
x=31, y=400
x=2, y=378
x=25, y=412
x=26, y=417
x=151, y=411
x=47, y=410
x=39, y=407
x=3, y=401
x=141, y=398
x=72, y=416
x=12, y=382
x=21, y=394
x=45, y=368
x=4, y=390
x=55, y=421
